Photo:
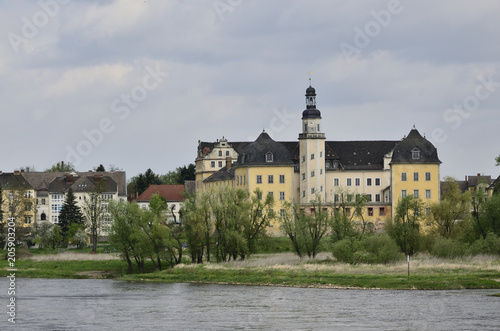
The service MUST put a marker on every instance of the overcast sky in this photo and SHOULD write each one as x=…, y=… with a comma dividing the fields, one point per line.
x=137, y=83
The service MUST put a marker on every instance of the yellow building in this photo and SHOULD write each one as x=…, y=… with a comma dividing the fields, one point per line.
x=415, y=170
x=18, y=199
x=315, y=166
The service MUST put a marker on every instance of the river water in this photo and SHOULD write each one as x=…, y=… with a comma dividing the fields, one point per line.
x=94, y=304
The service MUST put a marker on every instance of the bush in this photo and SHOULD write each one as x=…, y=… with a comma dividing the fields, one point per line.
x=449, y=248
x=371, y=249
x=490, y=245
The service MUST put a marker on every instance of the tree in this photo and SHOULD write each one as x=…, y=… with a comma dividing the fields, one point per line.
x=180, y=175
x=490, y=217
x=453, y=207
x=196, y=216
x=70, y=214
x=61, y=167
x=498, y=160
x=80, y=238
x=141, y=182
x=341, y=223
x=100, y=168
x=93, y=211
x=405, y=226
x=478, y=201
x=122, y=232
x=306, y=228
x=42, y=233
x=260, y=217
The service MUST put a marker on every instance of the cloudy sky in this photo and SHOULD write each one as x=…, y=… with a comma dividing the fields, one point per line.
x=137, y=83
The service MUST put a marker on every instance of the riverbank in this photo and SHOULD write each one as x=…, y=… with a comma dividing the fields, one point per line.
x=283, y=269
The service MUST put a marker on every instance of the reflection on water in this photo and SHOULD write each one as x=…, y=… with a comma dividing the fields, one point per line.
x=54, y=304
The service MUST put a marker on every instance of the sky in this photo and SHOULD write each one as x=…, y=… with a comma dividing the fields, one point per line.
x=136, y=83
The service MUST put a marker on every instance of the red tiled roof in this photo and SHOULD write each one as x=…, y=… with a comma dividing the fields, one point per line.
x=169, y=192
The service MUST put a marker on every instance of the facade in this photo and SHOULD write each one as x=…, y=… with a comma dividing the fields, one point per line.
x=47, y=191
x=19, y=200
x=301, y=171
x=174, y=194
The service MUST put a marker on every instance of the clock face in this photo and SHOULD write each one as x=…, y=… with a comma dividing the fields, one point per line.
x=311, y=124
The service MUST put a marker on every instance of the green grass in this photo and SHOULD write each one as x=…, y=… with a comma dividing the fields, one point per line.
x=305, y=278
x=284, y=269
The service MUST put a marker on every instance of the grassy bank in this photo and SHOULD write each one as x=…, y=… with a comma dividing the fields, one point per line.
x=284, y=269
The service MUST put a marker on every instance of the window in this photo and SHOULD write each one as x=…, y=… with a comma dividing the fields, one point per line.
x=377, y=181
x=321, y=188
x=349, y=182
x=43, y=217
x=227, y=153
x=312, y=173
x=320, y=153
x=55, y=208
x=427, y=176
x=220, y=164
x=370, y=211
x=27, y=206
x=313, y=190
x=369, y=196
x=282, y=195
x=348, y=211
x=427, y=194
x=43, y=201
x=282, y=179
x=303, y=194
x=368, y=182
x=320, y=171
x=282, y=213
x=349, y=198
x=270, y=179
x=415, y=176
x=427, y=211
x=57, y=197
x=27, y=194
x=271, y=194
x=377, y=197
x=403, y=193
x=220, y=153
x=415, y=193
x=11, y=195
x=357, y=181
x=303, y=176
x=27, y=219
x=259, y=179
x=403, y=176
x=212, y=164
x=336, y=198
x=259, y=195
x=335, y=182
x=303, y=159
x=312, y=156
x=415, y=154
x=381, y=211
x=269, y=157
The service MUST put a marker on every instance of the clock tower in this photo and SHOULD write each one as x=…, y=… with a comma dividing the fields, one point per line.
x=312, y=152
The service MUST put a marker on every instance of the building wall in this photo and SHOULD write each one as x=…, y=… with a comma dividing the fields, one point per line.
x=412, y=186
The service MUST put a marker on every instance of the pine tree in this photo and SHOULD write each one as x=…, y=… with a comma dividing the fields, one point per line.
x=70, y=213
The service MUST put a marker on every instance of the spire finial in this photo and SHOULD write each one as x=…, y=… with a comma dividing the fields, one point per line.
x=310, y=73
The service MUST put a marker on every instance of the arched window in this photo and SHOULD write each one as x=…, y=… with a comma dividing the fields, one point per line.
x=43, y=217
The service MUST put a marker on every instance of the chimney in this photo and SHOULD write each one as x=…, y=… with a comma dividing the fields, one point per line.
x=69, y=179
x=478, y=175
x=16, y=172
x=229, y=162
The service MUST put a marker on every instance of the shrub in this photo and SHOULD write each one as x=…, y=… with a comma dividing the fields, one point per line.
x=489, y=245
x=371, y=249
x=449, y=248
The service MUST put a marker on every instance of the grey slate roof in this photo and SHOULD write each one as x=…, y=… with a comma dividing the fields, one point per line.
x=351, y=155
x=10, y=181
x=82, y=184
x=403, y=150
x=221, y=174
x=255, y=153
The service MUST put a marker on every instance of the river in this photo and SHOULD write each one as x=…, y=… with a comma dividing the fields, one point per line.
x=94, y=304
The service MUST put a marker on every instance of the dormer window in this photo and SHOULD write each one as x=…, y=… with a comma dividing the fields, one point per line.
x=269, y=157
x=415, y=154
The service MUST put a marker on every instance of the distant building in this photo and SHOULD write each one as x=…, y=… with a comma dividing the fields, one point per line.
x=174, y=194
x=47, y=192
x=300, y=171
